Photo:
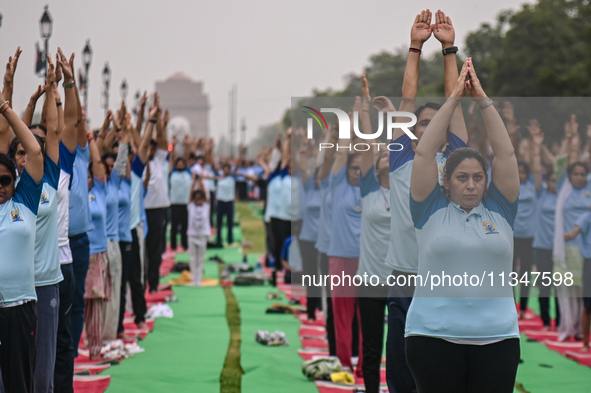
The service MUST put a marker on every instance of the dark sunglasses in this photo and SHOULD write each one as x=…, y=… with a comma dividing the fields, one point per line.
x=5, y=181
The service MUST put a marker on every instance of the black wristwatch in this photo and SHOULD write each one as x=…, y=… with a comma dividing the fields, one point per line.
x=451, y=49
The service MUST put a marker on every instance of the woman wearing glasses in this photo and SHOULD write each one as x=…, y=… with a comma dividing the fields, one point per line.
x=18, y=210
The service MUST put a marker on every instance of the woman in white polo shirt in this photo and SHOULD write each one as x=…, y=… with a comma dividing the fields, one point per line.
x=456, y=342
x=374, y=184
x=18, y=211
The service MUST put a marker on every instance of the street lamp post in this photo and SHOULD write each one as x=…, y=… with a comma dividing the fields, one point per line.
x=243, y=134
x=45, y=26
x=106, y=82
x=123, y=90
x=86, y=60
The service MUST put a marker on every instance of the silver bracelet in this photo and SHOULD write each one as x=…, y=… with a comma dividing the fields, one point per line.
x=489, y=103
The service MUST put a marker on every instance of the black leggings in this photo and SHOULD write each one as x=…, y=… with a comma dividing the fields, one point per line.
x=372, y=311
x=179, y=219
x=310, y=267
x=330, y=333
x=523, y=251
x=280, y=230
x=543, y=261
x=441, y=366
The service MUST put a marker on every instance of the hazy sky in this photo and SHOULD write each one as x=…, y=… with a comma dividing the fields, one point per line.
x=272, y=50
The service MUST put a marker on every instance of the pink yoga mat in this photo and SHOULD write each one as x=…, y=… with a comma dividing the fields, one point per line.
x=308, y=355
x=93, y=369
x=91, y=384
x=563, y=347
x=314, y=343
x=541, y=335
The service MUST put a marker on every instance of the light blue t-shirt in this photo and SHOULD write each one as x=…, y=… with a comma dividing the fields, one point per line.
x=454, y=242
x=375, y=227
x=226, y=189
x=180, y=187
x=79, y=222
x=584, y=222
x=97, y=205
x=124, y=208
x=402, y=251
x=258, y=171
x=346, y=217
x=113, y=185
x=525, y=222
x=17, y=231
x=577, y=204
x=47, y=258
x=240, y=172
x=545, y=211
x=311, y=215
x=325, y=223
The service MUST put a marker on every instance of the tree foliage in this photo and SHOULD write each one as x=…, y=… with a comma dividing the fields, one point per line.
x=541, y=50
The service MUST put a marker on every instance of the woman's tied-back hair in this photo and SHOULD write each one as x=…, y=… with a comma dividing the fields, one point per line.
x=9, y=164
x=461, y=154
x=351, y=157
x=15, y=142
x=430, y=105
x=39, y=126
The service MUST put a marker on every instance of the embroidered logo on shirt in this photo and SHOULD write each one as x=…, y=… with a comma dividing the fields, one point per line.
x=16, y=216
x=44, y=198
x=91, y=197
x=587, y=194
x=489, y=228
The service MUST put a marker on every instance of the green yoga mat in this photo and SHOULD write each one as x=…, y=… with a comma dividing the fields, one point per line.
x=269, y=369
x=183, y=354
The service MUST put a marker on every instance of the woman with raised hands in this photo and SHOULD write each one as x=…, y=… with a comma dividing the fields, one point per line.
x=67, y=123
x=524, y=230
x=132, y=236
x=343, y=250
x=19, y=205
x=574, y=200
x=48, y=273
x=278, y=210
x=310, y=200
x=472, y=342
x=116, y=164
x=547, y=197
x=374, y=185
x=402, y=256
x=325, y=230
x=97, y=288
